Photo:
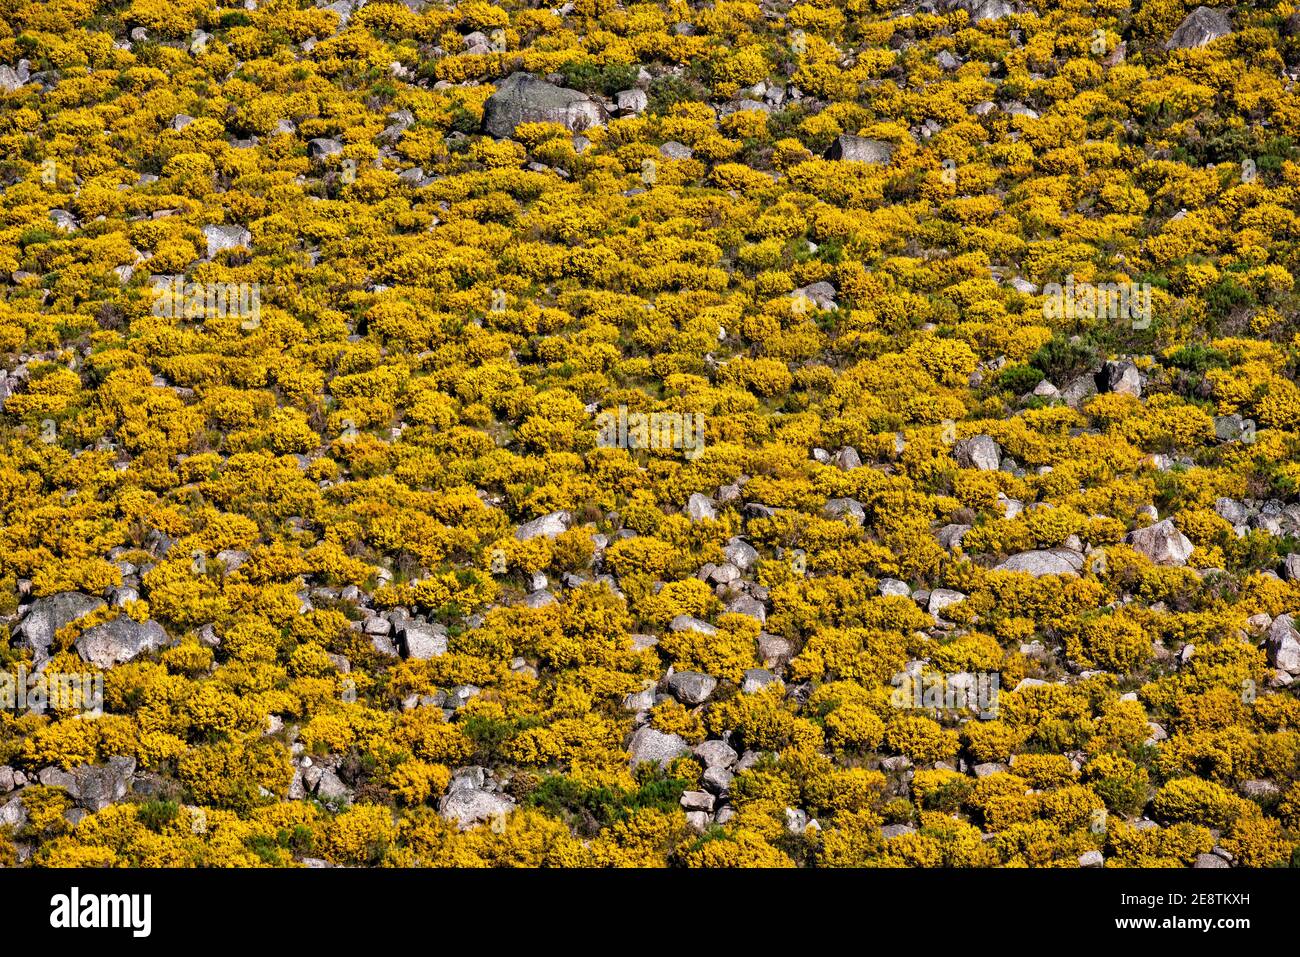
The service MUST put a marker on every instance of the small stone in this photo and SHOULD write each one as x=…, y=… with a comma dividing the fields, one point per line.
x=697, y=801
x=120, y=640
x=469, y=806
x=700, y=509
x=322, y=148
x=978, y=452
x=716, y=754
x=1202, y=26
x=422, y=641
x=647, y=744
x=689, y=623
x=1162, y=543
x=691, y=687
x=941, y=598
x=548, y=526
x=219, y=238
x=860, y=149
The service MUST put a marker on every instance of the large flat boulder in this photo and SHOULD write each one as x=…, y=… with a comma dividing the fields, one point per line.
x=1046, y=561
x=860, y=149
x=1162, y=543
x=526, y=98
x=1203, y=25
x=47, y=615
x=120, y=640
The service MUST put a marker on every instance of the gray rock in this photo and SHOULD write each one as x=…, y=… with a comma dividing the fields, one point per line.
x=1120, y=376
x=53, y=777
x=327, y=787
x=1016, y=108
x=525, y=98
x=640, y=700
x=1050, y=561
x=13, y=814
x=1283, y=645
x=95, y=787
x=343, y=8
x=472, y=778
x=860, y=149
x=1259, y=790
x=1291, y=567
x=461, y=695
x=322, y=148
x=692, y=687
x=981, y=10
x=718, y=780
x=46, y=616
x=697, y=801
x=548, y=525
x=1207, y=861
x=1162, y=543
x=1230, y=428
x=675, y=151
x=422, y=641
x=219, y=238
x=689, y=623
x=64, y=220
x=538, y=599
x=632, y=101
x=469, y=806
x=1231, y=511
x=741, y=554
x=12, y=79
x=978, y=452
x=748, y=605
x=821, y=294
x=773, y=649
x=894, y=587
x=716, y=754
x=756, y=679
x=647, y=744
x=700, y=509
x=1078, y=390
x=950, y=536
x=1203, y=25
x=120, y=640
x=400, y=122
x=890, y=831
x=1091, y=859
x=941, y=598
x=7, y=778
x=848, y=459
